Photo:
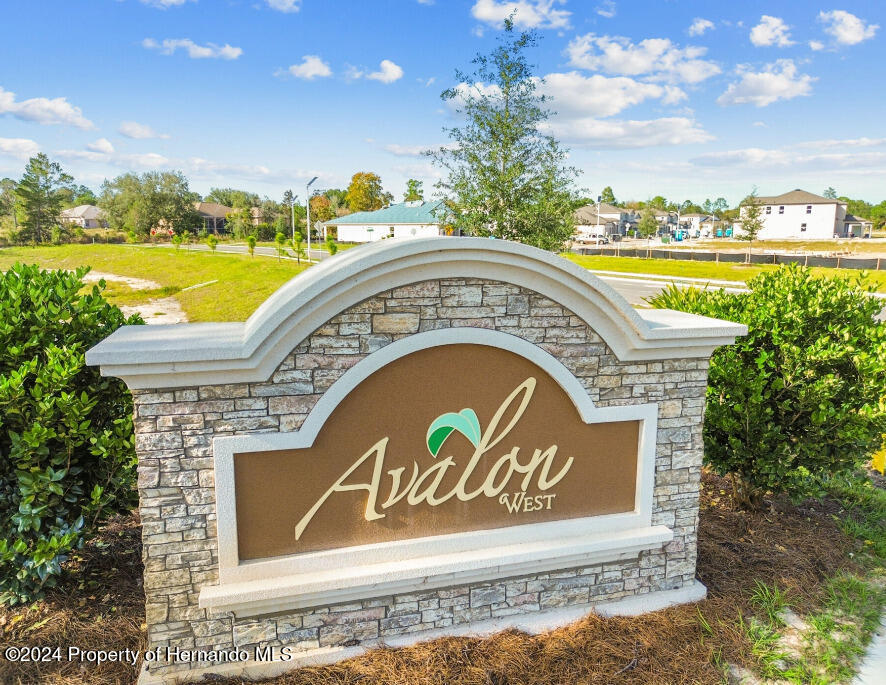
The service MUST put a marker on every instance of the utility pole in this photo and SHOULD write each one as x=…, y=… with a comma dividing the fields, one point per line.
x=308, y=213
x=597, y=235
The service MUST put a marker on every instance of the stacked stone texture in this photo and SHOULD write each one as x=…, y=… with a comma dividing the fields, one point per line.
x=175, y=428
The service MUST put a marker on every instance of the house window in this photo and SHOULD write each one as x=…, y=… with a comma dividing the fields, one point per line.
x=802, y=227
x=781, y=209
x=809, y=209
x=769, y=210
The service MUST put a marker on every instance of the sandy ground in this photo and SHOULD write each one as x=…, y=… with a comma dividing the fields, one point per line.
x=160, y=311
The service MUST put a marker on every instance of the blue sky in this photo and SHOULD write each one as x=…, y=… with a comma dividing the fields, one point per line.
x=674, y=97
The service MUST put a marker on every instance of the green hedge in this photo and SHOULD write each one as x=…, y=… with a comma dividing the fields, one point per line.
x=804, y=393
x=67, y=457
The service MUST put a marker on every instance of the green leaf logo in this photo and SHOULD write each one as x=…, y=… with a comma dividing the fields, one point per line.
x=465, y=422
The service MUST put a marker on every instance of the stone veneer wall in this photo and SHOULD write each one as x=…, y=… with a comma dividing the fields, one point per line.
x=175, y=428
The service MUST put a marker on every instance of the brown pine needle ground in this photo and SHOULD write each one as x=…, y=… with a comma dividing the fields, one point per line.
x=101, y=606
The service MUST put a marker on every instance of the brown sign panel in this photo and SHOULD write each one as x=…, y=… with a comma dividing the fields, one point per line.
x=444, y=440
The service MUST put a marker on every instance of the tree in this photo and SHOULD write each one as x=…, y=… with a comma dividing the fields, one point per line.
x=337, y=200
x=413, y=191
x=239, y=221
x=230, y=197
x=297, y=241
x=658, y=202
x=40, y=197
x=177, y=241
x=9, y=200
x=505, y=176
x=250, y=245
x=830, y=193
x=720, y=204
x=648, y=225
x=365, y=192
x=212, y=241
x=607, y=196
x=751, y=220
x=331, y=245
x=139, y=203
x=321, y=208
x=280, y=240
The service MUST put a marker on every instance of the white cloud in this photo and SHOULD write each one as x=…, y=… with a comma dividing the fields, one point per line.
x=311, y=67
x=388, y=72
x=101, y=145
x=771, y=31
x=612, y=134
x=164, y=4
x=606, y=9
x=43, y=110
x=760, y=124
x=540, y=14
x=407, y=150
x=699, y=26
x=816, y=45
x=844, y=142
x=655, y=58
x=209, y=51
x=20, y=148
x=846, y=28
x=133, y=129
x=576, y=95
x=287, y=6
x=778, y=81
x=785, y=158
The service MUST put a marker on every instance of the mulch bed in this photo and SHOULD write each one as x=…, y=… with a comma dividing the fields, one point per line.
x=795, y=547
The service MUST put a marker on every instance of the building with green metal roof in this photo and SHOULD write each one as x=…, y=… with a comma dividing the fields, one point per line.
x=416, y=219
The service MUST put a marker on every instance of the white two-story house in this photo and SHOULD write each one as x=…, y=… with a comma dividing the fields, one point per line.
x=804, y=215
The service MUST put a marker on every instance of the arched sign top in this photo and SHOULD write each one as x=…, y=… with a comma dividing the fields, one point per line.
x=192, y=354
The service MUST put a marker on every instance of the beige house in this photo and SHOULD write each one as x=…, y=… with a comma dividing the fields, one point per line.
x=214, y=215
x=84, y=216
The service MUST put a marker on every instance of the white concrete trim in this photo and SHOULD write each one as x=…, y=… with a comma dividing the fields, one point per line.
x=533, y=623
x=439, y=560
x=181, y=355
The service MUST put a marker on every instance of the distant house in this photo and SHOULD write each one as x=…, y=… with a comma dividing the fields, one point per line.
x=84, y=216
x=801, y=214
x=614, y=220
x=696, y=223
x=589, y=224
x=213, y=215
x=416, y=219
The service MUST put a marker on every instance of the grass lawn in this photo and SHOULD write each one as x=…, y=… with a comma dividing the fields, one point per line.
x=243, y=282
x=856, y=246
x=712, y=270
x=794, y=592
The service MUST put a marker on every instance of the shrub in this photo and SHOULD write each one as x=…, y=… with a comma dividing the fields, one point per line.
x=804, y=393
x=67, y=457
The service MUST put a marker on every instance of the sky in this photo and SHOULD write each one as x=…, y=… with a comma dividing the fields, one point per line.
x=686, y=99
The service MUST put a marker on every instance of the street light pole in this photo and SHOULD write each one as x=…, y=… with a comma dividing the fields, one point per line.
x=308, y=213
x=292, y=209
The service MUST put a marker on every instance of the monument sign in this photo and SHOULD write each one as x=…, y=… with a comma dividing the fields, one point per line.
x=414, y=438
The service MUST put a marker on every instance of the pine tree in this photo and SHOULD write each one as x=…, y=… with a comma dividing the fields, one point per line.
x=40, y=198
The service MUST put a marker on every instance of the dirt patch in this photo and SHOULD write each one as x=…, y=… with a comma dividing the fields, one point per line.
x=101, y=605
x=163, y=310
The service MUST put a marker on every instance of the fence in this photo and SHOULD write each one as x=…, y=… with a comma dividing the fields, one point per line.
x=869, y=263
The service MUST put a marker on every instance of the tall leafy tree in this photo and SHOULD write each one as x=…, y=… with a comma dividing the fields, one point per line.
x=648, y=224
x=138, y=203
x=321, y=208
x=230, y=197
x=8, y=201
x=414, y=190
x=607, y=196
x=41, y=198
x=505, y=175
x=830, y=193
x=365, y=192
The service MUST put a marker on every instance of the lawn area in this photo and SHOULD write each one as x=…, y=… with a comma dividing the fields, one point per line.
x=857, y=246
x=712, y=270
x=242, y=282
